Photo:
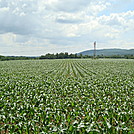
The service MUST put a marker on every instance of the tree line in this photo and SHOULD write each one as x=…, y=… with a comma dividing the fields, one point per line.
x=63, y=56
x=69, y=56
x=3, y=58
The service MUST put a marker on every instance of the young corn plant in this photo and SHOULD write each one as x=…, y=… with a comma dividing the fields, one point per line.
x=66, y=96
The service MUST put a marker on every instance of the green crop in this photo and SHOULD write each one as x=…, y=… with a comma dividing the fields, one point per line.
x=67, y=96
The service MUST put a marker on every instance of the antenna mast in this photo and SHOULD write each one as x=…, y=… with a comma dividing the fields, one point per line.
x=95, y=49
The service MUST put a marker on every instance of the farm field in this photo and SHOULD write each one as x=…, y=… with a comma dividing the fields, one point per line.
x=73, y=96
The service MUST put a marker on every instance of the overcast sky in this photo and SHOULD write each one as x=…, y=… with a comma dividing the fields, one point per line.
x=36, y=27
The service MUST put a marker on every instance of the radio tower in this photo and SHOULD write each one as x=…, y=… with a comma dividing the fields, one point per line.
x=94, y=49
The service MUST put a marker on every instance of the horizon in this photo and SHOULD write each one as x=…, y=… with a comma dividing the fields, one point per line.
x=68, y=52
x=34, y=28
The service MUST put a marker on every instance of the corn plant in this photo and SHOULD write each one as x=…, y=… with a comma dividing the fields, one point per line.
x=67, y=96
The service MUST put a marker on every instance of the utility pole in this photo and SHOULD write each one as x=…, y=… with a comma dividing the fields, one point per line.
x=94, y=49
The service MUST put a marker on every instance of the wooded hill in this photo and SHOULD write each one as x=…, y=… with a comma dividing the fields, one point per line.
x=103, y=53
x=108, y=52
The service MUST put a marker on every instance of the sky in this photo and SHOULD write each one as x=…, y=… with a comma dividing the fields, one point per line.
x=37, y=27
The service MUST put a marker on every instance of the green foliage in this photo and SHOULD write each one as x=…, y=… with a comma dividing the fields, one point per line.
x=67, y=96
x=64, y=56
x=4, y=58
x=59, y=56
x=76, y=56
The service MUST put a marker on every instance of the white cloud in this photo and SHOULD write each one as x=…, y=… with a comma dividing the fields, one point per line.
x=67, y=5
x=61, y=25
x=117, y=18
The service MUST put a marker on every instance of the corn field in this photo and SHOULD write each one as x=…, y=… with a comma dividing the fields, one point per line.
x=72, y=96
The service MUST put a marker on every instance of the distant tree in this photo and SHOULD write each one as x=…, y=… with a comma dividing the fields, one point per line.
x=61, y=55
x=66, y=55
x=85, y=56
x=81, y=56
x=75, y=55
x=71, y=56
x=57, y=55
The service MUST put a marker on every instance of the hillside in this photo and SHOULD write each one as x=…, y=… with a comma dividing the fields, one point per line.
x=109, y=52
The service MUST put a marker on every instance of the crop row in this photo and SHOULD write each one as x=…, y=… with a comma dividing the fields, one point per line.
x=66, y=96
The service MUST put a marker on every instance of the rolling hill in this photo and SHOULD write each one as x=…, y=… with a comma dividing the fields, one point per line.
x=108, y=52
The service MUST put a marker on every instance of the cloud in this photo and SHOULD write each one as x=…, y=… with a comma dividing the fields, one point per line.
x=68, y=21
x=23, y=25
x=15, y=19
x=67, y=5
x=61, y=25
x=120, y=20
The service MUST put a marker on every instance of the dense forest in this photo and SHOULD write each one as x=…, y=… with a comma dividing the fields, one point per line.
x=63, y=56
